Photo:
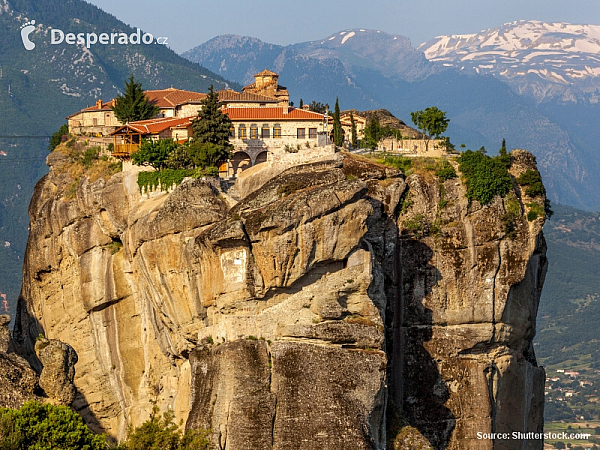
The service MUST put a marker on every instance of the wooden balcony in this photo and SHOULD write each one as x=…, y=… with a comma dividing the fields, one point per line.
x=124, y=150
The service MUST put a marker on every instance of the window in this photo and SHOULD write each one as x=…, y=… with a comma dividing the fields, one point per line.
x=277, y=131
x=301, y=133
x=232, y=132
x=253, y=131
x=95, y=120
x=312, y=133
x=242, y=131
x=265, y=131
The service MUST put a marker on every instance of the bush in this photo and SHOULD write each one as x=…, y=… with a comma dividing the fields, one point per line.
x=535, y=210
x=484, y=176
x=46, y=427
x=445, y=171
x=532, y=179
x=58, y=136
x=179, y=158
x=206, y=154
x=154, y=153
x=159, y=432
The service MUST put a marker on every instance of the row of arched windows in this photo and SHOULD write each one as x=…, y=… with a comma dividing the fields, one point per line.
x=253, y=132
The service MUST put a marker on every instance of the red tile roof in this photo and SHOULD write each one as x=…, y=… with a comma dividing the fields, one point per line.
x=266, y=72
x=229, y=95
x=271, y=113
x=155, y=126
x=169, y=98
x=106, y=106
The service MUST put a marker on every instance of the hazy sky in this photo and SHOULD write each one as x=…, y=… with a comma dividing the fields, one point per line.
x=188, y=23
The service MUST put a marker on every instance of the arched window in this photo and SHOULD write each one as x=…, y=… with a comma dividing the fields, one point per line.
x=277, y=131
x=242, y=131
x=253, y=131
x=265, y=131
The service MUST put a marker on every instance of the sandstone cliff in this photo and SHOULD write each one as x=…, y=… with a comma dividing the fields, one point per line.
x=308, y=315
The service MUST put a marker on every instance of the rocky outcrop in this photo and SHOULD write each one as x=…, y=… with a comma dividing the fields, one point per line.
x=330, y=295
x=58, y=370
x=18, y=381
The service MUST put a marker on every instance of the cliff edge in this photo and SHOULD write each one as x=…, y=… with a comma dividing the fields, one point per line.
x=341, y=305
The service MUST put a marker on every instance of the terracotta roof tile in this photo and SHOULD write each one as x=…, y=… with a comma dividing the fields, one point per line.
x=155, y=126
x=169, y=98
x=229, y=96
x=266, y=72
x=271, y=113
x=106, y=106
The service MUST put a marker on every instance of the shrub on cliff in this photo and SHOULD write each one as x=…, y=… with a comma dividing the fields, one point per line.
x=46, y=427
x=57, y=137
x=159, y=432
x=485, y=176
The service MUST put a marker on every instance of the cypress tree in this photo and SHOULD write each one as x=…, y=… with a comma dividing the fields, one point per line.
x=338, y=134
x=354, y=137
x=133, y=104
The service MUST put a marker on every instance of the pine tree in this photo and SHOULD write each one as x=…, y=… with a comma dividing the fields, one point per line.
x=301, y=103
x=354, y=137
x=211, y=125
x=338, y=134
x=133, y=104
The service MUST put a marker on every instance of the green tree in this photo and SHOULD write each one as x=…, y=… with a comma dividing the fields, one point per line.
x=46, y=427
x=338, y=133
x=179, y=158
x=372, y=133
x=301, y=103
x=57, y=136
x=318, y=107
x=432, y=122
x=211, y=125
x=503, y=148
x=207, y=154
x=154, y=153
x=353, y=135
x=133, y=104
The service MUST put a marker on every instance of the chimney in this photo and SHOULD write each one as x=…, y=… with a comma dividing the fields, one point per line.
x=99, y=103
x=305, y=107
x=286, y=109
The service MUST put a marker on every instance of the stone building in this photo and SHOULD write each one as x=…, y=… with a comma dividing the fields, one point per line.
x=267, y=83
x=256, y=132
x=94, y=120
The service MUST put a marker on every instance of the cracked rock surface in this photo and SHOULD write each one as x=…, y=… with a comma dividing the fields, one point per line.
x=301, y=316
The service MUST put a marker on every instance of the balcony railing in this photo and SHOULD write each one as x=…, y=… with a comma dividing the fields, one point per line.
x=125, y=149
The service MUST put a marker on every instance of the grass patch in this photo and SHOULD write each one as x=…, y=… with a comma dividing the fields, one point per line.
x=290, y=188
x=535, y=210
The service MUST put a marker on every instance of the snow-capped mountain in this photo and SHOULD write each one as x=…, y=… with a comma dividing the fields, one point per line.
x=542, y=60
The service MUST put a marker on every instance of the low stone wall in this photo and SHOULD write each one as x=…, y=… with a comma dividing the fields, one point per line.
x=420, y=147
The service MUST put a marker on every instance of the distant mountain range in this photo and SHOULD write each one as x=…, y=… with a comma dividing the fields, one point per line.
x=369, y=69
x=557, y=61
x=40, y=87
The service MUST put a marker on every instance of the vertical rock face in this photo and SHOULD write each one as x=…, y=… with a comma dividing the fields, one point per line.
x=301, y=317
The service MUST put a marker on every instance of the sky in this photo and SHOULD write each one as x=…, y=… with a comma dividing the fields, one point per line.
x=188, y=23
